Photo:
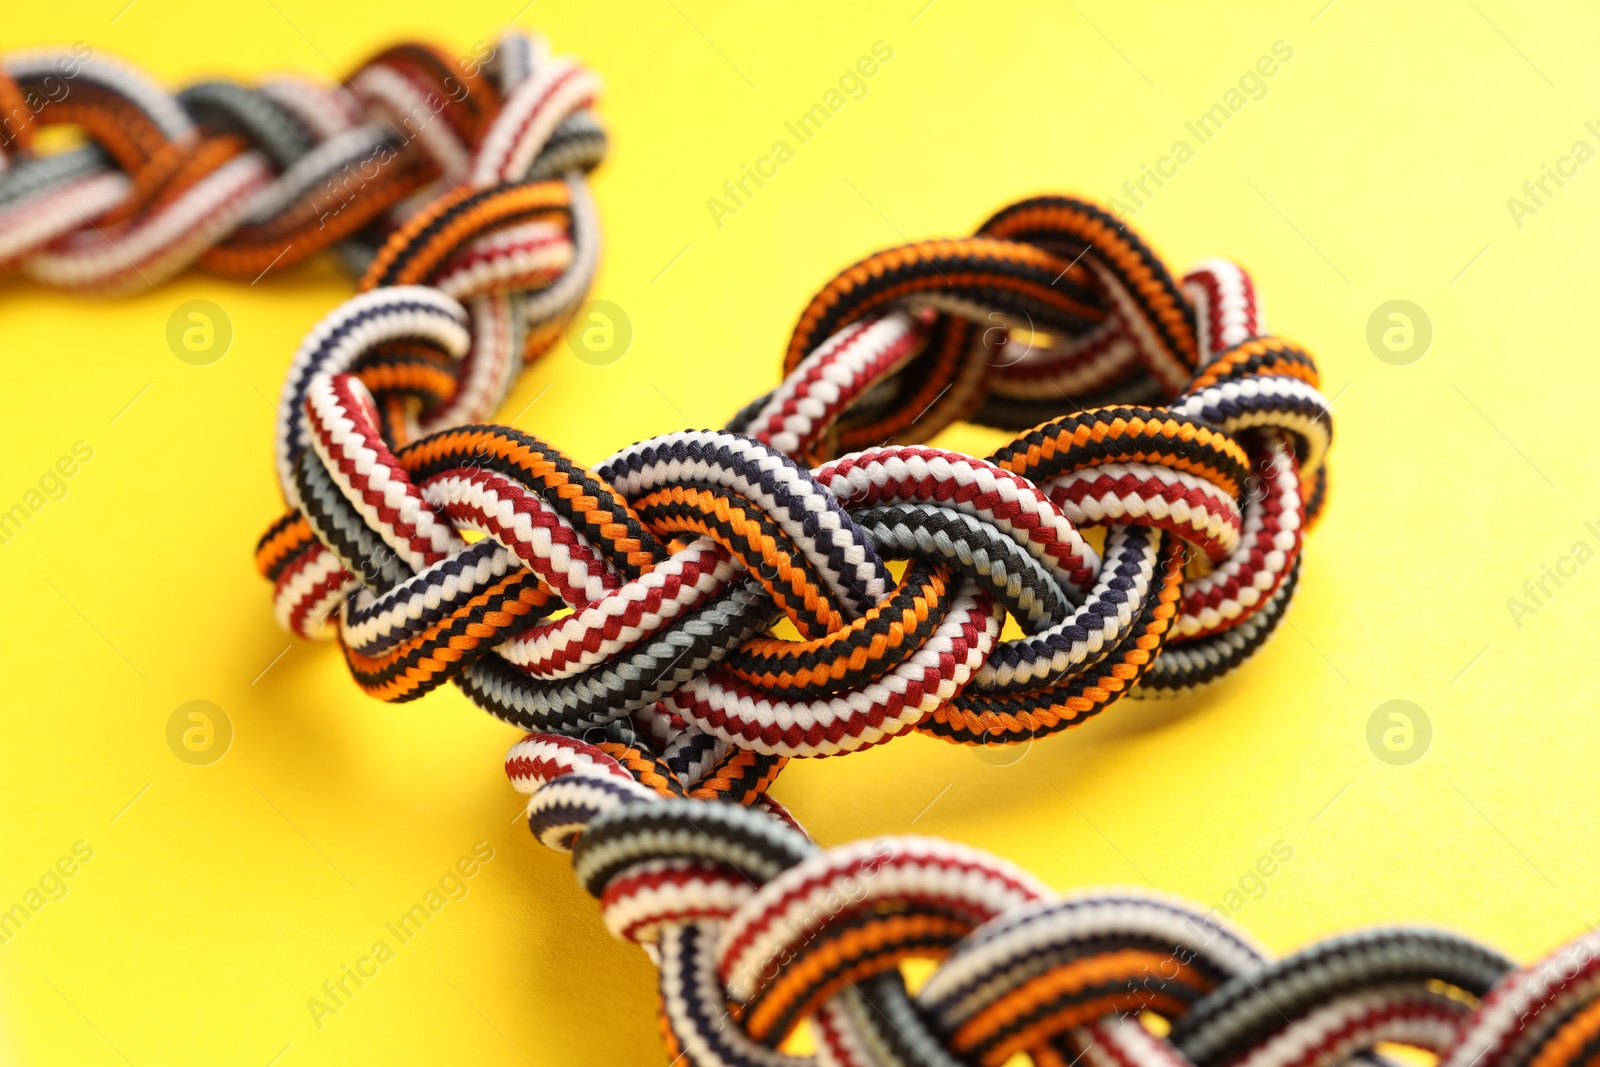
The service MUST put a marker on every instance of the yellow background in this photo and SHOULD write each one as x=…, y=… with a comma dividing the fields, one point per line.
x=1377, y=167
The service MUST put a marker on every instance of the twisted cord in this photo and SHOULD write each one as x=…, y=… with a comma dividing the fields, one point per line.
x=756, y=930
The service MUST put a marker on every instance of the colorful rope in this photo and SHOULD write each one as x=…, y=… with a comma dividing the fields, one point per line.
x=1154, y=408
x=756, y=930
x=243, y=181
x=677, y=555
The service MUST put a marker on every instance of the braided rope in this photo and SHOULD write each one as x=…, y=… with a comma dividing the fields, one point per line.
x=755, y=930
x=662, y=686
x=242, y=181
x=676, y=555
x=1155, y=408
